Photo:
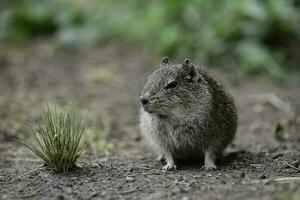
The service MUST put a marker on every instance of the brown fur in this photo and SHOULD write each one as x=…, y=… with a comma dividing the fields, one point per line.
x=195, y=119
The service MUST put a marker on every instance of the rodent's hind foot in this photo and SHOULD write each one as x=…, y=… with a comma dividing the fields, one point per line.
x=169, y=166
x=209, y=162
x=209, y=167
x=170, y=162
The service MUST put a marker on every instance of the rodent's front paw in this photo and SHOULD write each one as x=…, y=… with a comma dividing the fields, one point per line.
x=169, y=166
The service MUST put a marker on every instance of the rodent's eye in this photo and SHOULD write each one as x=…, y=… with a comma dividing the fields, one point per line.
x=171, y=84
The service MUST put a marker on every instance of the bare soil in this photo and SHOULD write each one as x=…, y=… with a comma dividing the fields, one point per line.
x=262, y=163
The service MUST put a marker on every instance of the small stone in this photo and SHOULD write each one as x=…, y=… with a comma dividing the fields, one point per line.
x=93, y=194
x=68, y=190
x=60, y=197
x=143, y=158
x=175, y=190
x=129, y=179
x=95, y=165
x=278, y=170
x=69, y=184
x=156, y=172
x=183, y=190
x=120, y=186
x=130, y=169
x=197, y=176
x=185, y=198
x=242, y=175
x=45, y=175
x=262, y=176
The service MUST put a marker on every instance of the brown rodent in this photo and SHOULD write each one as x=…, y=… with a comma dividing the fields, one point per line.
x=186, y=114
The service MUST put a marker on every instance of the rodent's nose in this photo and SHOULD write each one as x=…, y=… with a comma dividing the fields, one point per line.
x=144, y=101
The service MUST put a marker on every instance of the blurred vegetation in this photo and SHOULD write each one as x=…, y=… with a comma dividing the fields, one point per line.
x=97, y=142
x=246, y=37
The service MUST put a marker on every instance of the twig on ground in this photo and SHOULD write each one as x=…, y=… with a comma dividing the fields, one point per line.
x=279, y=180
x=251, y=161
x=276, y=102
x=291, y=166
x=26, y=173
x=30, y=195
x=23, y=160
x=131, y=191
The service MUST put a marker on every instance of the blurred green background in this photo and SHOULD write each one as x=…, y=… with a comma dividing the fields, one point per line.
x=244, y=37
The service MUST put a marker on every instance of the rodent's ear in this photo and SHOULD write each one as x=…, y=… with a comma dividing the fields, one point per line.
x=164, y=61
x=189, y=71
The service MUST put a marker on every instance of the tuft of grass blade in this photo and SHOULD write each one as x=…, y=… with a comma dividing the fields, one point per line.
x=59, y=138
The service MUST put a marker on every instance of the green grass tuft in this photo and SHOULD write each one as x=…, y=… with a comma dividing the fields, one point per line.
x=59, y=139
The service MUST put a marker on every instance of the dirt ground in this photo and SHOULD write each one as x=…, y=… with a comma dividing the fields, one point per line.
x=262, y=163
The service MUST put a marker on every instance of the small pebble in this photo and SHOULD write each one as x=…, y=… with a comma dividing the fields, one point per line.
x=130, y=169
x=93, y=194
x=129, y=179
x=242, y=175
x=175, y=190
x=262, y=176
x=198, y=176
x=278, y=170
x=68, y=190
x=95, y=165
x=60, y=197
x=156, y=172
x=183, y=190
x=120, y=186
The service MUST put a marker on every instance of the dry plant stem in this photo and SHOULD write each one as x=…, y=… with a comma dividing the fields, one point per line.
x=26, y=173
x=279, y=180
x=291, y=166
x=23, y=160
x=30, y=195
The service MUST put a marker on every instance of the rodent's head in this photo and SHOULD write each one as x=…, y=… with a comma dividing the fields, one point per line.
x=174, y=89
